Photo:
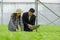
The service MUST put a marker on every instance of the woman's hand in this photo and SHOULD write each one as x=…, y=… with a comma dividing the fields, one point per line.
x=16, y=29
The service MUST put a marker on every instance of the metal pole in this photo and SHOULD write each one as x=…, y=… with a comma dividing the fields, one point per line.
x=46, y=18
x=2, y=12
x=54, y=21
x=51, y=11
x=49, y=8
x=36, y=11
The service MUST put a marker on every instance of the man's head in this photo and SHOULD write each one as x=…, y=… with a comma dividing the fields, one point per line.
x=31, y=11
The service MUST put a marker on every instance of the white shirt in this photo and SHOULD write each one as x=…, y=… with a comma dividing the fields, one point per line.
x=29, y=17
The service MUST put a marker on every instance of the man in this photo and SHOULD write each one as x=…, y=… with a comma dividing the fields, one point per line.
x=28, y=19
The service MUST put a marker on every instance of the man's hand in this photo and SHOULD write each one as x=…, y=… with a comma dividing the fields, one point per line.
x=30, y=26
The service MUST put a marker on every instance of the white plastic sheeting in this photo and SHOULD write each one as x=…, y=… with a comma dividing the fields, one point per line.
x=0, y=0
x=44, y=11
x=48, y=1
x=8, y=9
x=19, y=0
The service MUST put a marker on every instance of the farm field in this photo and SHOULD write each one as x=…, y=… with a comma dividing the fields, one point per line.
x=43, y=33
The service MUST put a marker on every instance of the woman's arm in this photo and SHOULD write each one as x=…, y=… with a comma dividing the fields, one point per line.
x=21, y=24
x=12, y=22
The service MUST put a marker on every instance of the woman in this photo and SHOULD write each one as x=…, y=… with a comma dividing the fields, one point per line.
x=15, y=20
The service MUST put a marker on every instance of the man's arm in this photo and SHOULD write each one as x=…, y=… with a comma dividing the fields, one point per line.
x=33, y=21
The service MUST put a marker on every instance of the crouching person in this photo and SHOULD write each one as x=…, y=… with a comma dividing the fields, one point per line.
x=15, y=20
x=29, y=19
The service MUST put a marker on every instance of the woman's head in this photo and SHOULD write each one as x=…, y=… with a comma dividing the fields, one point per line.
x=18, y=12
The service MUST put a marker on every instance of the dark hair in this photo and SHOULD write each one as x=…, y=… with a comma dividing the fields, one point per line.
x=32, y=10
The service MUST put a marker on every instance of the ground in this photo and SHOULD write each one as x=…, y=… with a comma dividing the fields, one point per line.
x=43, y=33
